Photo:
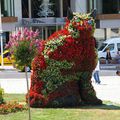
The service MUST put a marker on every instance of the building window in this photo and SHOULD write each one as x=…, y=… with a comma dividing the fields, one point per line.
x=7, y=8
x=45, y=8
x=111, y=6
x=104, y=6
x=25, y=11
x=66, y=4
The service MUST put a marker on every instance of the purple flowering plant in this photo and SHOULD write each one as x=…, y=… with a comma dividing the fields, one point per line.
x=23, y=46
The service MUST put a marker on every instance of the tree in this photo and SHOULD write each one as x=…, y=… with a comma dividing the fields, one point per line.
x=24, y=46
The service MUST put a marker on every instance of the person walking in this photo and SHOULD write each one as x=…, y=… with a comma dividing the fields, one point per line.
x=108, y=56
x=96, y=73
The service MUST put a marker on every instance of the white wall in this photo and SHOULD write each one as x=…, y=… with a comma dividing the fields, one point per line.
x=110, y=23
x=8, y=26
x=79, y=6
x=18, y=9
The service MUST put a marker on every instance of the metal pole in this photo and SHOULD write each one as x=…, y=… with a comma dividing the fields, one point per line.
x=61, y=8
x=1, y=42
x=1, y=39
x=30, y=16
x=27, y=81
x=29, y=6
x=46, y=32
x=42, y=33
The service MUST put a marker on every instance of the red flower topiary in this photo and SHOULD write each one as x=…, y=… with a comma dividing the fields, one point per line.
x=63, y=68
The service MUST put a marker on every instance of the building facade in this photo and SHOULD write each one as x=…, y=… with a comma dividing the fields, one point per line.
x=108, y=18
x=49, y=15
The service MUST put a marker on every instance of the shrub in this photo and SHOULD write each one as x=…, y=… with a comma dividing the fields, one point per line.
x=1, y=96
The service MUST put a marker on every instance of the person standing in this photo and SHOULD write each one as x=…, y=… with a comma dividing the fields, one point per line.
x=118, y=72
x=108, y=56
x=118, y=57
x=96, y=73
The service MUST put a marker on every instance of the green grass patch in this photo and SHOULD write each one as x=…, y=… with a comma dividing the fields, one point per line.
x=107, y=111
x=14, y=97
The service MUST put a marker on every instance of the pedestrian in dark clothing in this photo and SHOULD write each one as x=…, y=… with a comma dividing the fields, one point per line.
x=118, y=73
x=108, y=56
x=118, y=57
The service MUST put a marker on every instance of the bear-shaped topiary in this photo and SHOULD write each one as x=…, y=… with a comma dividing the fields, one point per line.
x=63, y=68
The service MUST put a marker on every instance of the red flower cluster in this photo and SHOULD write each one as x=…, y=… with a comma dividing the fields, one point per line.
x=11, y=107
x=37, y=99
x=38, y=63
x=78, y=51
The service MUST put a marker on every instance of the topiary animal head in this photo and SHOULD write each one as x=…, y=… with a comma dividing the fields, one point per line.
x=79, y=23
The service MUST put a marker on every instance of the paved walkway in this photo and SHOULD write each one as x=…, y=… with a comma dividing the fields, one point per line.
x=109, y=89
x=15, y=86
x=110, y=66
x=8, y=67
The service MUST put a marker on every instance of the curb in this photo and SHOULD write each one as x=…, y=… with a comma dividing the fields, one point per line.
x=7, y=68
x=110, y=67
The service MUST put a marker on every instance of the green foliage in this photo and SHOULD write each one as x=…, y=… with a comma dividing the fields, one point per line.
x=53, y=78
x=1, y=96
x=52, y=75
x=23, y=54
x=74, y=32
x=53, y=44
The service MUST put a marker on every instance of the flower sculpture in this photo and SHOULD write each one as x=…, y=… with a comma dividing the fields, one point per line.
x=63, y=68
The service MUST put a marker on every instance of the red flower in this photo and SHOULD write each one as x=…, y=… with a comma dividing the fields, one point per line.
x=38, y=86
x=39, y=63
x=70, y=40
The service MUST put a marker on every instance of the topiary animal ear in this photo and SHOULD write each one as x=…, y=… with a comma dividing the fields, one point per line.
x=69, y=14
x=93, y=13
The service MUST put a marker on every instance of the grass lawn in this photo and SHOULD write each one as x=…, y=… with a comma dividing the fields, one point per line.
x=108, y=111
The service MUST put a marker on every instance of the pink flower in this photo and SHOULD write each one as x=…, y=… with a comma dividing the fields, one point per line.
x=28, y=38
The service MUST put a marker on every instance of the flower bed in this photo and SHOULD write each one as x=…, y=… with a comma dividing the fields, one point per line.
x=12, y=107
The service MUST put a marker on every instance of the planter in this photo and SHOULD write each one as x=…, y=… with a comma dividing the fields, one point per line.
x=9, y=19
